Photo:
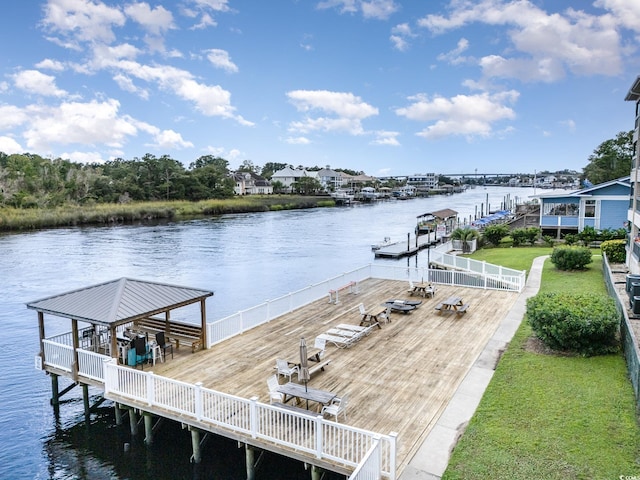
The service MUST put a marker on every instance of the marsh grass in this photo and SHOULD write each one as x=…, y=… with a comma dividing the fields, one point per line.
x=113, y=214
x=550, y=416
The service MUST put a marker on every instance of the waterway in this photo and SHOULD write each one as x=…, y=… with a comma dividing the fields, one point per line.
x=245, y=259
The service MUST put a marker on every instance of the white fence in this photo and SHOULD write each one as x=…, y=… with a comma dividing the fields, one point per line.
x=314, y=435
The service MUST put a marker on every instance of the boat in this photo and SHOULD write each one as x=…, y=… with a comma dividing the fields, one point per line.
x=384, y=243
x=342, y=196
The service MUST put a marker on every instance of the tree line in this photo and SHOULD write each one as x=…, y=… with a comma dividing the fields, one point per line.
x=31, y=181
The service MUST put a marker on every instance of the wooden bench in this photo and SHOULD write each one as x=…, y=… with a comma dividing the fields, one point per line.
x=298, y=410
x=315, y=366
x=335, y=294
x=177, y=333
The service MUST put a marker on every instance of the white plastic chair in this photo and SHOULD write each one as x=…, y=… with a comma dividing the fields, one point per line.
x=411, y=287
x=338, y=406
x=321, y=344
x=274, y=395
x=285, y=370
x=363, y=311
x=386, y=316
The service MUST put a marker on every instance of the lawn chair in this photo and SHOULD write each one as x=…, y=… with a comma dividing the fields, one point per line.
x=412, y=288
x=163, y=344
x=285, y=369
x=274, y=395
x=337, y=406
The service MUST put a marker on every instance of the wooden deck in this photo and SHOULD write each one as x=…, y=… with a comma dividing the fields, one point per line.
x=399, y=378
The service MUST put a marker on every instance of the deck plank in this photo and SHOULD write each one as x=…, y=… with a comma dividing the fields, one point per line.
x=399, y=378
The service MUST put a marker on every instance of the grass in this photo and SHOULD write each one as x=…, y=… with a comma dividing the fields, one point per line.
x=12, y=219
x=551, y=416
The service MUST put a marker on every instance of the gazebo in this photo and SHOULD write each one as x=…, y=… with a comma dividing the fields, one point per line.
x=107, y=306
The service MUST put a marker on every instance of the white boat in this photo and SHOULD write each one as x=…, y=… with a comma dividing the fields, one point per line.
x=342, y=196
x=385, y=243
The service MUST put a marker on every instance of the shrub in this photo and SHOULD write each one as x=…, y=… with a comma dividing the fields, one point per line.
x=548, y=240
x=519, y=236
x=494, y=233
x=583, y=323
x=571, y=258
x=614, y=250
x=571, y=238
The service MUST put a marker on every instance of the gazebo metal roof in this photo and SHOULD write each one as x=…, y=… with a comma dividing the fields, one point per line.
x=118, y=301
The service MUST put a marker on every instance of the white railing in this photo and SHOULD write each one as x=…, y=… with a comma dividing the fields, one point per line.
x=314, y=435
x=58, y=355
x=90, y=364
x=369, y=468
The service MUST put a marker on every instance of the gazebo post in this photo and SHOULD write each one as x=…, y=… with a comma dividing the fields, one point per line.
x=74, y=340
x=114, y=342
x=42, y=334
x=203, y=321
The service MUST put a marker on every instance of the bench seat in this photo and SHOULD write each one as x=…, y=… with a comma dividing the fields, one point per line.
x=178, y=332
x=315, y=366
x=462, y=309
x=438, y=307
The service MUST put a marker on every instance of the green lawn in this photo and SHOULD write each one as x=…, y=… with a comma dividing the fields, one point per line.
x=551, y=417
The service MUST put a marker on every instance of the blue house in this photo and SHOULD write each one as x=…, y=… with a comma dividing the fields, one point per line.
x=603, y=206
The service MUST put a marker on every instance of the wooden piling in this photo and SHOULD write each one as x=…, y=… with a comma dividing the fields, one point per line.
x=133, y=423
x=55, y=394
x=118, y=413
x=148, y=428
x=85, y=400
x=250, y=461
x=195, y=445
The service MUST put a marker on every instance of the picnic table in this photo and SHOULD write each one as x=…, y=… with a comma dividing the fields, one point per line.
x=292, y=390
x=423, y=289
x=452, y=304
x=372, y=317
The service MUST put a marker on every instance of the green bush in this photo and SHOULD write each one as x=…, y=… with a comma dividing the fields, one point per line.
x=614, y=250
x=571, y=258
x=583, y=323
x=494, y=233
x=548, y=240
x=571, y=238
x=519, y=236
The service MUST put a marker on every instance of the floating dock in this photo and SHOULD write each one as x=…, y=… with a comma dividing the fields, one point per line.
x=407, y=248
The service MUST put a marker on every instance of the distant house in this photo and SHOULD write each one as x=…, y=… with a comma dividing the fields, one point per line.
x=288, y=176
x=330, y=179
x=248, y=183
x=602, y=206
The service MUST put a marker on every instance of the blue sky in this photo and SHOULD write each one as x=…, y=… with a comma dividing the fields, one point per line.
x=388, y=87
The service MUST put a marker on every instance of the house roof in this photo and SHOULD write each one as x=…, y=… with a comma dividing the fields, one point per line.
x=443, y=214
x=588, y=191
x=118, y=301
x=634, y=91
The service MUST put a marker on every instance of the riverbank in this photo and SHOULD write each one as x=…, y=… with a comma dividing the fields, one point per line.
x=16, y=219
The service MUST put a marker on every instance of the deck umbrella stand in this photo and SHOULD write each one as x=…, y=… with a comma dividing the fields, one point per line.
x=303, y=373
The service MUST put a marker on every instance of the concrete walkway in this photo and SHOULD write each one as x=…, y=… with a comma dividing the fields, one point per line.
x=431, y=460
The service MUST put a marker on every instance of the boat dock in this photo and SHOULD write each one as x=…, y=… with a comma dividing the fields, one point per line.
x=407, y=248
x=400, y=377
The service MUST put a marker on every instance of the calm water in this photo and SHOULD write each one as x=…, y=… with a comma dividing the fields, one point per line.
x=275, y=253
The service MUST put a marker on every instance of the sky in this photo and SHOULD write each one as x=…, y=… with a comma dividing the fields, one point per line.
x=387, y=87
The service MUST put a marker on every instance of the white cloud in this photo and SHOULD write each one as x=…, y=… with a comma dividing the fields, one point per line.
x=83, y=157
x=11, y=117
x=400, y=35
x=33, y=81
x=545, y=45
x=386, y=138
x=625, y=12
x=155, y=20
x=220, y=59
x=466, y=115
x=455, y=57
x=49, y=64
x=378, y=9
x=81, y=20
x=77, y=123
x=9, y=146
x=347, y=109
x=569, y=124
x=126, y=84
x=298, y=140
x=169, y=139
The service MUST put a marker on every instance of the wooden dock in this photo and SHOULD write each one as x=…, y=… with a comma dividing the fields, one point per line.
x=410, y=246
x=399, y=378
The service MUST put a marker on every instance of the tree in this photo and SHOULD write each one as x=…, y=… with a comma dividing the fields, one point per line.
x=494, y=233
x=612, y=159
x=466, y=236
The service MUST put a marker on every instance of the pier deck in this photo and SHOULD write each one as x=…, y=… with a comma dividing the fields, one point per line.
x=404, y=248
x=400, y=378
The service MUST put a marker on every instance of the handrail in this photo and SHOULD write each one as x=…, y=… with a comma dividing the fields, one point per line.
x=322, y=438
